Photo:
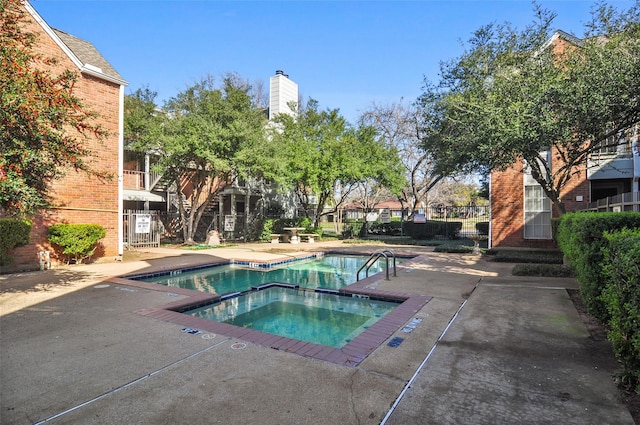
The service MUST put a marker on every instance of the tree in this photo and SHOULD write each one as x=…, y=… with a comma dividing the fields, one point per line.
x=512, y=97
x=142, y=120
x=401, y=127
x=43, y=125
x=458, y=193
x=201, y=136
x=325, y=158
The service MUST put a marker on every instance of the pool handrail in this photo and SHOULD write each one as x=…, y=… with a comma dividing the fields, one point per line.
x=373, y=258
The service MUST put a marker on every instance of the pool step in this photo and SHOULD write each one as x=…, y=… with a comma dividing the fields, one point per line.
x=327, y=291
x=272, y=284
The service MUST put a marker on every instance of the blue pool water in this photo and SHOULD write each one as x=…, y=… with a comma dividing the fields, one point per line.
x=330, y=271
x=324, y=319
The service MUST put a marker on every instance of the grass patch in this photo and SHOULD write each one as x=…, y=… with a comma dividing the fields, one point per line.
x=459, y=246
x=454, y=248
x=361, y=241
x=205, y=246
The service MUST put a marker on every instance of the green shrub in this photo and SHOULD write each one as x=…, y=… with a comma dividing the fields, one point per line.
x=13, y=233
x=581, y=239
x=482, y=227
x=267, y=229
x=622, y=299
x=307, y=223
x=78, y=241
x=432, y=229
x=542, y=270
x=555, y=222
x=353, y=229
x=393, y=228
x=454, y=248
x=527, y=256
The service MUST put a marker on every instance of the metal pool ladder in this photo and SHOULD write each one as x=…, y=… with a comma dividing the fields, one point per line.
x=372, y=260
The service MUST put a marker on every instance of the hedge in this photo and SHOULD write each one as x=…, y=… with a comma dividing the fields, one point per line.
x=482, y=227
x=77, y=241
x=393, y=228
x=432, y=229
x=622, y=299
x=13, y=233
x=353, y=229
x=581, y=239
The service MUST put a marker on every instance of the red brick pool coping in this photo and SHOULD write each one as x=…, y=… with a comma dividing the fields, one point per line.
x=351, y=354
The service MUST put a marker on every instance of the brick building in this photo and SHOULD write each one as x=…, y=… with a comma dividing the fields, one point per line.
x=78, y=198
x=520, y=211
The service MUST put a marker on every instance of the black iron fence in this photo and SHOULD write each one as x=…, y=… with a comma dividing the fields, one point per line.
x=438, y=222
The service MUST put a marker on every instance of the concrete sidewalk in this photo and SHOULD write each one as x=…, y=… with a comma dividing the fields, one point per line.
x=492, y=348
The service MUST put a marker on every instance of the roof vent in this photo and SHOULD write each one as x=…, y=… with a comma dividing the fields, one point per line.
x=279, y=72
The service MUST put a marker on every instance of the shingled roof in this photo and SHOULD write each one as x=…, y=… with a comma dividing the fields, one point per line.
x=86, y=52
x=80, y=51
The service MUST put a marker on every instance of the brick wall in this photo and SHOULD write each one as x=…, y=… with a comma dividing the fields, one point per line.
x=578, y=186
x=507, y=214
x=78, y=198
x=507, y=211
x=507, y=196
x=507, y=205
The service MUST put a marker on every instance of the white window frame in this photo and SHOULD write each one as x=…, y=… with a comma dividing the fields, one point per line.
x=537, y=207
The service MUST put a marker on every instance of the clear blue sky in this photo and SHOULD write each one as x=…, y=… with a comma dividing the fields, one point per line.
x=345, y=54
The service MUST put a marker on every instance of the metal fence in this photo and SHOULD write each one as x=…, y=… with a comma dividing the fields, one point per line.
x=142, y=229
x=442, y=221
x=460, y=221
x=629, y=201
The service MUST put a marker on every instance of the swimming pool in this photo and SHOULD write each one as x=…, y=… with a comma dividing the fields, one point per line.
x=371, y=333
x=331, y=271
x=326, y=319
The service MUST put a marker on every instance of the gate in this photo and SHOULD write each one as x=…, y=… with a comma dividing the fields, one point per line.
x=142, y=229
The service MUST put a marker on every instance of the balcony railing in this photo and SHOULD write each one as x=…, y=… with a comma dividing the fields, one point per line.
x=139, y=180
x=629, y=201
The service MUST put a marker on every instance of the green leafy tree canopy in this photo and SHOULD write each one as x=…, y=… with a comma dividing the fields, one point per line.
x=512, y=96
x=43, y=125
x=201, y=138
x=325, y=156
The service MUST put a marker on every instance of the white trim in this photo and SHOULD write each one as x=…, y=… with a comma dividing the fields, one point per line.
x=490, y=239
x=121, y=171
x=556, y=35
x=92, y=72
x=52, y=34
x=528, y=227
x=83, y=68
x=548, y=43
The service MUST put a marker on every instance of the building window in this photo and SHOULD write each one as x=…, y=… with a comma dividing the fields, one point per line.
x=353, y=214
x=537, y=213
x=537, y=208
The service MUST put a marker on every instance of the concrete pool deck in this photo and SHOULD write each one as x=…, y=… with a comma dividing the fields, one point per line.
x=492, y=348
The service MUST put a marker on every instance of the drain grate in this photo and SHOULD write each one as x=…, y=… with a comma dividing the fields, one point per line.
x=395, y=341
x=412, y=325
